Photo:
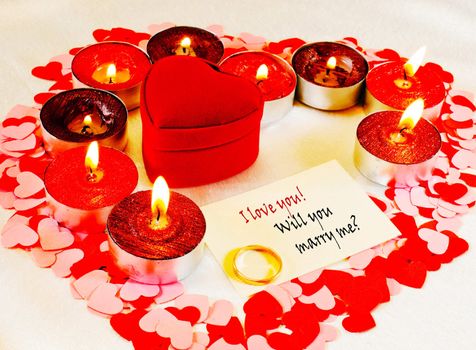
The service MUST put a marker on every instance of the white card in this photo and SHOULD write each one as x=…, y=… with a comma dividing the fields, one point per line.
x=312, y=219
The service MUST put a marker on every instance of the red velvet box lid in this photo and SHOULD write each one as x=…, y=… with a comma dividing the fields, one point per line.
x=199, y=125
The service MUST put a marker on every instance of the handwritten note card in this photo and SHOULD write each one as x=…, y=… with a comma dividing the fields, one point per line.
x=311, y=219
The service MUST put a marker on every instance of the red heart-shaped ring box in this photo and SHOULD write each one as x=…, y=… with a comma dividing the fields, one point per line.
x=199, y=125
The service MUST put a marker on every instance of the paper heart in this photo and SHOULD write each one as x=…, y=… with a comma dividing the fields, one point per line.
x=394, y=287
x=149, y=322
x=252, y=39
x=7, y=199
x=104, y=300
x=258, y=342
x=358, y=322
x=28, y=184
x=464, y=159
x=437, y=241
x=467, y=133
x=65, y=61
x=13, y=171
x=19, y=234
x=419, y=198
x=311, y=276
x=216, y=29
x=169, y=292
x=42, y=97
x=87, y=284
x=282, y=296
x=189, y=313
x=323, y=299
x=464, y=99
x=19, y=132
x=179, y=332
x=220, y=313
x=52, y=237
x=64, y=261
x=200, y=302
x=19, y=112
x=127, y=325
x=402, y=199
x=155, y=28
x=362, y=259
x=409, y=273
x=26, y=144
x=201, y=338
x=132, y=290
x=43, y=258
x=294, y=289
x=52, y=71
x=221, y=344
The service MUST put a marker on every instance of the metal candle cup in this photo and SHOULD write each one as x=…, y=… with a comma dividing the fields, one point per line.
x=277, y=86
x=400, y=164
x=151, y=254
x=81, y=203
x=387, y=90
x=183, y=40
x=329, y=88
x=65, y=124
x=90, y=68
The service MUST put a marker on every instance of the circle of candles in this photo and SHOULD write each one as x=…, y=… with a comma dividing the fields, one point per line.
x=77, y=117
x=330, y=75
x=81, y=191
x=156, y=245
x=274, y=77
x=117, y=67
x=188, y=41
x=393, y=149
x=394, y=85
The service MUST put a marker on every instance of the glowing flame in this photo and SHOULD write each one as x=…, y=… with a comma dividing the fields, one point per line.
x=160, y=198
x=331, y=62
x=111, y=72
x=262, y=72
x=412, y=114
x=412, y=65
x=87, y=120
x=186, y=42
x=92, y=157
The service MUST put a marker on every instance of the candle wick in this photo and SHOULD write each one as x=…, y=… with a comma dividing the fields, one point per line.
x=110, y=80
x=327, y=71
x=405, y=75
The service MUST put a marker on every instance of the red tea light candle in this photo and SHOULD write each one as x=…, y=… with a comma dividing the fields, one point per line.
x=330, y=75
x=77, y=117
x=274, y=77
x=188, y=41
x=397, y=149
x=156, y=236
x=113, y=66
x=394, y=85
x=83, y=184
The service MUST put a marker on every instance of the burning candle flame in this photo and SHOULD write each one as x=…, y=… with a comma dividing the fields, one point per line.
x=412, y=114
x=331, y=62
x=262, y=72
x=412, y=65
x=92, y=157
x=111, y=72
x=87, y=121
x=186, y=42
x=160, y=202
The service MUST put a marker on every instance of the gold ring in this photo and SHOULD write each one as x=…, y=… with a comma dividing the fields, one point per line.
x=277, y=264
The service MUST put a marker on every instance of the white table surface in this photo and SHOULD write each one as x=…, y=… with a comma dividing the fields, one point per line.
x=36, y=308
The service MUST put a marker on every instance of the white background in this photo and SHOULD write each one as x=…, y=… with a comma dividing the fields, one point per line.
x=36, y=309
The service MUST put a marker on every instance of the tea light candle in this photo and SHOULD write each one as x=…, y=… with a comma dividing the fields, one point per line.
x=183, y=40
x=394, y=85
x=156, y=236
x=113, y=66
x=77, y=117
x=273, y=75
x=83, y=184
x=330, y=75
x=397, y=149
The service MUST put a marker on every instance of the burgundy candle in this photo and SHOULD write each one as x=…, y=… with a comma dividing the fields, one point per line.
x=114, y=66
x=274, y=77
x=77, y=117
x=154, y=239
x=81, y=191
x=394, y=85
x=183, y=40
x=391, y=148
x=330, y=75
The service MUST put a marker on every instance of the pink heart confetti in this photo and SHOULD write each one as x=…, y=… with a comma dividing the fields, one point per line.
x=444, y=224
x=13, y=171
x=437, y=242
x=294, y=289
x=155, y=28
x=52, y=237
x=464, y=159
x=282, y=296
x=19, y=111
x=220, y=313
x=21, y=204
x=25, y=144
x=467, y=133
x=323, y=299
x=132, y=290
x=42, y=258
x=104, y=300
x=66, y=259
x=28, y=184
x=221, y=344
x=169, y=292
x=310, y=277
x=201, y=338
x=402, y=199
x=19, y=234
x=199, y=301
x=18, y=132
x=216, y=29
x=87, y=284
x=258, y=342
x=7, y=199
x=179, y=332
x=419, y=198
x=461, y=113
x=148, y=322
x=394, y=287
x=361, y=260
x=249, y=38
